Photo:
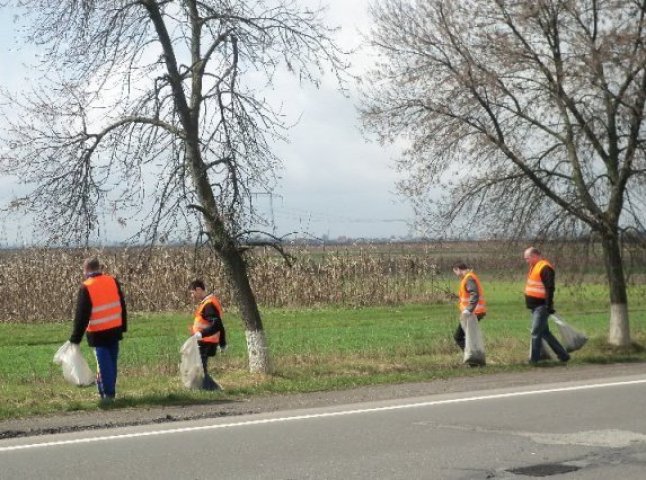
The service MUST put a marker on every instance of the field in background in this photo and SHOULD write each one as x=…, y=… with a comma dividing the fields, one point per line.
x=40, y=285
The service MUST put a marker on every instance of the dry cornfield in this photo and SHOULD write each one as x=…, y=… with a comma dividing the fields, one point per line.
x=40, y=285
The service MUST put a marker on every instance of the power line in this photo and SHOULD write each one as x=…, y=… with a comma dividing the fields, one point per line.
x=320, y=216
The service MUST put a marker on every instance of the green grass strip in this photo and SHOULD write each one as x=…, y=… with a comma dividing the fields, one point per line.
x=312, y=350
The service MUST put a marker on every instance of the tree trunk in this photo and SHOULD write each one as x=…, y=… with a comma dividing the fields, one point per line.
x=619, y=331
x=246, y=300
x=235, y=265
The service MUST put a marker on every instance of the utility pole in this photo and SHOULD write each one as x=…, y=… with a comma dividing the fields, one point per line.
x=271, y=208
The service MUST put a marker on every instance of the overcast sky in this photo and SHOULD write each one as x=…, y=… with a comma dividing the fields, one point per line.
x=335, y=182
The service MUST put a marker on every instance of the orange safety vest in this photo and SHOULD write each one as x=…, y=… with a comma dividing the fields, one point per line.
x=199, y=323
x=534, y=286
x=106, y=303
x=481, y=306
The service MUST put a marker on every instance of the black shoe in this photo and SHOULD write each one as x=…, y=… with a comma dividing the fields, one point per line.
x=472, y=365
x=106, y=401
x=210, y=385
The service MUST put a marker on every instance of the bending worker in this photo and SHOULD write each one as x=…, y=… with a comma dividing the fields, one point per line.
x=208, y=328
x=539, y=298
x=471, y=298
x=101, y=314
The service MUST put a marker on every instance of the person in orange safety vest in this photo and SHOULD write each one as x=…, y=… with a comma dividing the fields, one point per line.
x=208, y=328
x=539, y=298
x=470, y=298
x=102, y=317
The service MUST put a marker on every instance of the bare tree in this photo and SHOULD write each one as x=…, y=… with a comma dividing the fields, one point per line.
x=166, y=93
x=529, y=113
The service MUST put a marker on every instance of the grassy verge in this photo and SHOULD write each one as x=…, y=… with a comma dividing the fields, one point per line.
x=312, y=349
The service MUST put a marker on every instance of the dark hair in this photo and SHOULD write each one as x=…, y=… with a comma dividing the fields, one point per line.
x=198, y=283
x=460, y=266
x=92, y=264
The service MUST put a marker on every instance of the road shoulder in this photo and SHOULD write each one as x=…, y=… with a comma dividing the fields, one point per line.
x=111, y=418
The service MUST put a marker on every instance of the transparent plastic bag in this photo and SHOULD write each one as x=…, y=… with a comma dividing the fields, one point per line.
x=190, y=368
x=571, y=339
x=474, y=350
x=75, y=368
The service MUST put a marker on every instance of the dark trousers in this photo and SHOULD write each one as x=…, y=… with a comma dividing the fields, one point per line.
x=206, y=351
x=106, y=372
x=459, y=335
x=540, y=331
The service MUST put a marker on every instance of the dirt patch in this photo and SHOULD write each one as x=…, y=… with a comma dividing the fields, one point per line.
x=112, y=418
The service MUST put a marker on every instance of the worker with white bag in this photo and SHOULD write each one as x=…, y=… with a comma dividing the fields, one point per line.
x=473, y=308
x=539, y=298
x=209, y=334
x=101, y=316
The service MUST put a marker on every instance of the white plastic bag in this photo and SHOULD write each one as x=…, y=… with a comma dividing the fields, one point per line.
x=474, y=350
x=190, y=368
x=75, y=368
x=570, y=338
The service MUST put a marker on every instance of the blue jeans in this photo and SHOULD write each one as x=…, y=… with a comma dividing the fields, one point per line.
x=540, y=331
x=106, y=373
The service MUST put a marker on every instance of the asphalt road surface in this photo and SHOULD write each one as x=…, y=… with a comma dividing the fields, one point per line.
x=589, y=429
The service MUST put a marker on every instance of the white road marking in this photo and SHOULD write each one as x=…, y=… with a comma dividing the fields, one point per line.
x=430, y=403
x=610, y=438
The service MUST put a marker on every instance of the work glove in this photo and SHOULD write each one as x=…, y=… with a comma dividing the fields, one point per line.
x=551, y=310
x=198, y=335
x=466, y=311
x=222, y=348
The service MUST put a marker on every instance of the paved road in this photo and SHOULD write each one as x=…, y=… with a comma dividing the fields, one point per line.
x=594, y=428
